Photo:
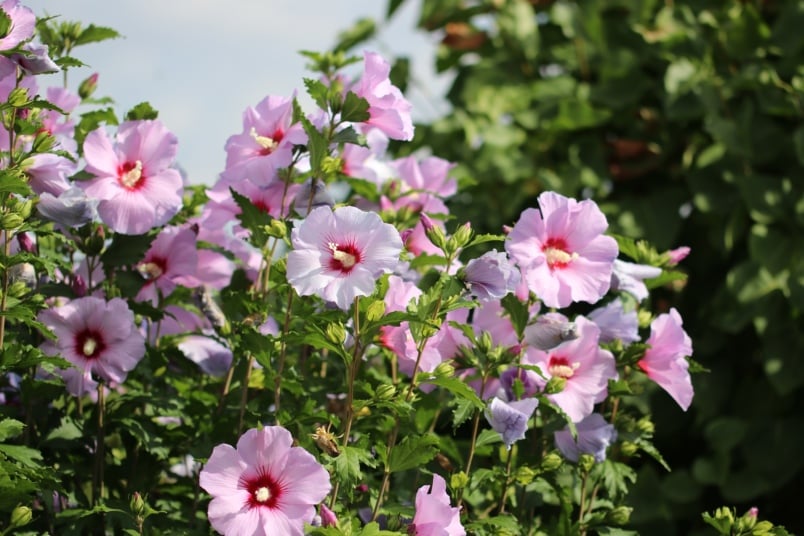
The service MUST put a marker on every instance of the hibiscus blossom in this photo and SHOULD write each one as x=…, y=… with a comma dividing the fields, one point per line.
x=171, y=260
x=96, y=336
x=265, y=486
x=434, y=515
x=595, y=435
x=388, y=109
x=338, y=255
x=21, y=23
x=562, y=251
x=137, y=188
x=665, y=361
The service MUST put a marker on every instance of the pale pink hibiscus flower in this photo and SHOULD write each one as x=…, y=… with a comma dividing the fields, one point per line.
x=665, y=361
x=22, y=22
x=339, y=255
x=137, y=188
x=434, y=516
x=582, y=364
x=265, y=486
x=98, y=337
x=389, y=111
x=562, y=251
x=171, y=260
x=595, y=435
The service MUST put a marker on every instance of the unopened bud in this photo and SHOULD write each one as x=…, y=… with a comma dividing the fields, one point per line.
x=628, y=448
x=328, y=517
x=79, y=286
x=43, y=142
x=137, y=504
x=551, y=462
x=10, y=221
x=463, y=235
x=525, y=475
x=385, y=392
x=26, y=243
x=277, y=229
x=18, y=97
x=21, y=516
x=375, y=310
x=619, y=515
x=555, y=385
x=433, y=232
x=336, y=333
x=458, y=480
x=88, y=86
x=586, y=462
x=646, y=426
x=444, y=370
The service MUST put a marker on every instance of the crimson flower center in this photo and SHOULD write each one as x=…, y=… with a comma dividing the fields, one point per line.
x=263, y=489
x=561, y=367
x=89, y=343
x=130, y=175
x=267, y=143
x=152, y=269
x=344, y=257
x=556, y=251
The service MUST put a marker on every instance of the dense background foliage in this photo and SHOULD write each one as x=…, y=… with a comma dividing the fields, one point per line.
x=684, y=120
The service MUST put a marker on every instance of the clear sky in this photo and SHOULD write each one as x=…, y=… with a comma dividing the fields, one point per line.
x=202, y=62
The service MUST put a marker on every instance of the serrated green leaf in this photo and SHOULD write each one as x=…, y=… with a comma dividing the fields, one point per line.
x=355, y=109
x=413, y=451
x=142, y=111
x=10, y=428
x=648, y=448
x=517, y=312
x=457, y=387
x=94, y=34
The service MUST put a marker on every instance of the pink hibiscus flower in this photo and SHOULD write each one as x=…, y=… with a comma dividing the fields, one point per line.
x=21, y=27
x=585, y=367
x=389, y=111
x=96, y=336
x=265, y=486
x=137, y=188
x=338, y=255
x=665, y=361
x=171, y=260
x=434, y=516
x=562, y=251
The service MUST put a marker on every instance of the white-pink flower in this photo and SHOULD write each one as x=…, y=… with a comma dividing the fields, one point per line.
x=665, y=361
x=338, y=255
x=562, y=251
x=389, y=111
x=434, y=516
x=137, y=188
x=265, y=486
x=171, y=260
x=98, y=337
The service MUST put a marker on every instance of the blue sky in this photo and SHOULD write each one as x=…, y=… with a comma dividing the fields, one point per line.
x=202, y=62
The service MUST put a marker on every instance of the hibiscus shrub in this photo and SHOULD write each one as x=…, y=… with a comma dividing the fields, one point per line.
x=310, y=345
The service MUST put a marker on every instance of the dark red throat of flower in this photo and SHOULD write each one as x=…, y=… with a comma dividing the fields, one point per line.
x=89, y=343
x=343, y=258
x=262, y=489
x=557, y=253
x=131, y=175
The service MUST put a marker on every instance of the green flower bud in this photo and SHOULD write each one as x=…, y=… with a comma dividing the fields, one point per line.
x=525, y=475
x=619, y=516
x=433, y=232
x=88, y=86
x=644, y=318
x=386, y=392
x=375, y=310
x=645, y=425
x=17, y=289
x=43, y=142
x=10, y=222
x=551, y=462
x=137, y=504
x=330, y=165
x=276, y=229
x=21, y=516
x=555, y=385
x=458, y=480
x=763, y=528
x=24, y=208
x=445, y=370
x=629, y=449
x=463, y=235
x=18, y=97
x=586, y=462
x=336, y=333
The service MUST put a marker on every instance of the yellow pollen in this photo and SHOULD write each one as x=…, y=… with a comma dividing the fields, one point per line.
x=564, y=371
x=264, y=141
x=347, y=260
x=131, y=177
x=89, y=347
x=262, y=494
x=149, y=270
x=559, y=256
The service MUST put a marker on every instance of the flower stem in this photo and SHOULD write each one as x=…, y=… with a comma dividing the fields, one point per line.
x=280, y=366
x=100, y=449
x=507, y=482
x=244, y=393
x=475, y=428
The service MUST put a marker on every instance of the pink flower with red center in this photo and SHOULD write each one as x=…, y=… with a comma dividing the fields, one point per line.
x=665, y=362
x=562, y=251
x=434, y=516
x=265, y=486
x=137, y=188
x=585, y=368
x=267, y=138
x=21, y=24
x=171, y=260
x=389, y=111
x=98, y=337
x=339, y=255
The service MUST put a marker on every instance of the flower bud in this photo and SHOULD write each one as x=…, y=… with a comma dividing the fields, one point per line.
x=88, y=86
x=385, y=392
x=525, y=475
x=137, y=505
x=20, y=516
x=551, y=462
x=26, y=243
x=629, y=449
x=645, y=425
x=586, y=462
x=336, y=333
x=18, y=97
x=328, y=517
x=10, y=222
x=433, y=232
x=458, y=480
x=444, y=370
x=619, y=515
x=555, y=385
x=79, y=286
x=277, y=229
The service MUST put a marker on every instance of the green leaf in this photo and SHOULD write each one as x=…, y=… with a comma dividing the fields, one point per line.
x=412, y=452
x=517, y=312
x=347, y=463
x=318, y=91
x=457, y=387
x=142, y=111
x=24, y=455
x=126, y=250
x=648, y=448
x=488, y=437
x=317, y=144
x=94, y=34
x=355, y=109
x=10, y=428
x=252, y=218
x=362, y=30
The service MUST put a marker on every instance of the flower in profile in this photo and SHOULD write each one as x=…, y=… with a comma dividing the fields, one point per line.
x=549, y=330
x=388, y=110
x=562, y=251
x=595, y=435
x=616, y=323
x=628, y=277
x=264, y=486
x=491, y=276
x=21, y=23
x=338, y=255
x=677, y=255
x=98, y=337
x=137, y=188
x=665, y=361
x=71, y=208
x=434, y=516
x=581, y=366
x=510, y=419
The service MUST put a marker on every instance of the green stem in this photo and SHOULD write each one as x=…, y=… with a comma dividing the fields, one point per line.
x=100, y=449
x=244, y=393
x=507, y=482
